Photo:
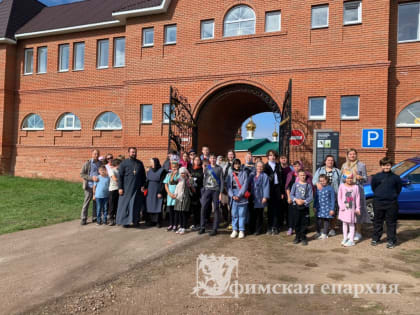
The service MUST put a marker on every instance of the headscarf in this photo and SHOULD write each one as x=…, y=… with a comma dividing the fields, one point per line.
x=156, y=163
x=180, y=187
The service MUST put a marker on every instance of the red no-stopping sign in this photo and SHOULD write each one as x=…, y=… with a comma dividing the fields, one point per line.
x=297, y=137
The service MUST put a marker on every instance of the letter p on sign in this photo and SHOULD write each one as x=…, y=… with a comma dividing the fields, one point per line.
x=373, y=138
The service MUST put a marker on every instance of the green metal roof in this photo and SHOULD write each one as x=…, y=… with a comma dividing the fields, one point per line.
x=249, y=144
x=262, y=150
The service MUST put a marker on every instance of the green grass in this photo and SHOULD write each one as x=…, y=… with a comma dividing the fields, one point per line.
x=31, y=203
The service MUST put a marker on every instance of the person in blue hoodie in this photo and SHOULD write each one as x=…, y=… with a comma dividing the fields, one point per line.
x=237, y=188
x=260, y=192
x=386, y=188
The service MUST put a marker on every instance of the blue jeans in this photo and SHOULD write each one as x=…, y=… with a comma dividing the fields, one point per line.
x=101, y=203
x=239, y=215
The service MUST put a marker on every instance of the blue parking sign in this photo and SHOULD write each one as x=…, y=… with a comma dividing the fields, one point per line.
x=373, y=138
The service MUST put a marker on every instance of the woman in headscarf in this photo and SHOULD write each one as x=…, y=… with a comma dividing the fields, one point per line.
x=354, y=167
x=155, y=191
x=183, y=192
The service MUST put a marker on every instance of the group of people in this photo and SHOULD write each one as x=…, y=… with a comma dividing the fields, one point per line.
x=188, y=188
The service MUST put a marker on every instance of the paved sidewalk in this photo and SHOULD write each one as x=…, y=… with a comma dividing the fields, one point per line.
x=40, y=264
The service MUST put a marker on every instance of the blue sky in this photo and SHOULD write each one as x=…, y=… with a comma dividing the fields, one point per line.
x=265, y=121
x=57, y=2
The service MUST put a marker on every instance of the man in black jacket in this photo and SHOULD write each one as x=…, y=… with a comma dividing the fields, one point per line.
x=274, y=171
x=386, y=187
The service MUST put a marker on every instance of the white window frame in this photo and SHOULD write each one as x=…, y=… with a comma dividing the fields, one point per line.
x=166, y=34
x=33, y=129
x=39, y=59
x=206, y=22
x=278, y=12
x=68, y=127
x=312, y=15
x=75, y=54
x=145, y=30
x=143, y=121
x=398, y=23
x=60, y=58
x=25, y=70
x=358, y=108
x=254, y=19
x=165, y=119
x=109, y=128
x=359, y=12
x=99, y=54
x=314, y=117
x=116, y=40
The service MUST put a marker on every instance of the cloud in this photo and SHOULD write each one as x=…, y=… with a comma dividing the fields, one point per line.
x=58, y=2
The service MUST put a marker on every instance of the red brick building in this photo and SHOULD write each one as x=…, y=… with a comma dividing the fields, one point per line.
x=354, y=65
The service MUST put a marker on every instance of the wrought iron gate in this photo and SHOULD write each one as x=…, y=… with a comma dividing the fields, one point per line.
x=182, y=126
x=286, y=123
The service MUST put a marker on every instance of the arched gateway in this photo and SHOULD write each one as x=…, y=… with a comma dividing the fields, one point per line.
x=219, y=116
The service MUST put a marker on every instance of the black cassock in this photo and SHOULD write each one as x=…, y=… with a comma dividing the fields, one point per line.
x=132, y=177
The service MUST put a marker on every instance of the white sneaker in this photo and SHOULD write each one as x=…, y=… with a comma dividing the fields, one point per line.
x=332, y=233
x=357, y=237
x=322, y=236
x=234, y=234
x=241, y=234
x=343, y=242
x=349, y=243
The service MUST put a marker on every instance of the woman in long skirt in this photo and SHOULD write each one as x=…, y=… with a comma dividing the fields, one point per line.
x=155, y=191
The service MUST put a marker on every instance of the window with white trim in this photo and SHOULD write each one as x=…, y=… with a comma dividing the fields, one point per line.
x=148, y=37
x=42, y=59
x=119, y=52
x=63, y=57
x=170, y=34
x=108, y=121
x=103, y=53
x=146, y=114
x=317, y=108
x=273, y=21
x=33, y=122
x=409, y=116
x=409, y=22
x=79, y=56
x=320, y=16
x=29, y=61
x=240, y=20
x=69, y=121
x=350, y=107
x=352, y=12
x=207, y=29
x=167, y=113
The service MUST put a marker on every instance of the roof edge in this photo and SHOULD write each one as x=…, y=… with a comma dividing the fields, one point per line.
x=4, y=40
x=123, y=15
x=71, y=29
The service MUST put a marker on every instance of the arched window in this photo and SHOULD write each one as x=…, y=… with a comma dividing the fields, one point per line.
x=69, y=121
x=410, y=116
x=240, y=20
x=108, y=121
x=33, y=122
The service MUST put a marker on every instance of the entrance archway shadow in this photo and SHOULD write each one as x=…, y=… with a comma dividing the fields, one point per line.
x=222, y=113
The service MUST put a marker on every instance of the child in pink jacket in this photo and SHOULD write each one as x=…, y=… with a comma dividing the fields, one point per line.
x=349, y=207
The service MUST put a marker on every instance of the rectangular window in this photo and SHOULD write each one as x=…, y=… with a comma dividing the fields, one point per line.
x=320, y=16
x=79, y=56
x=408, y=22
x=207, y=29
x=166, y=113
x=352, y=12
x=317, y=108
x=119, y=52
x=63, y=57
x=273, y=21
x=29, y=61
x=170, y=34
x=103, y=53
x=148, y=37
x=146, y=114
x=42, y=60
x=349, y=107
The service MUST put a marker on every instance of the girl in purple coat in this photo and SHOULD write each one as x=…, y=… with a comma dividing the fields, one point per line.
x=349, y=207
x=260, y=190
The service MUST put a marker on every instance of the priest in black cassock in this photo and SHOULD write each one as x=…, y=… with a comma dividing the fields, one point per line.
x=131, y=181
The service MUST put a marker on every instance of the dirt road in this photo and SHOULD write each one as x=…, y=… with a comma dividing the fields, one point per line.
x=165, y=285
